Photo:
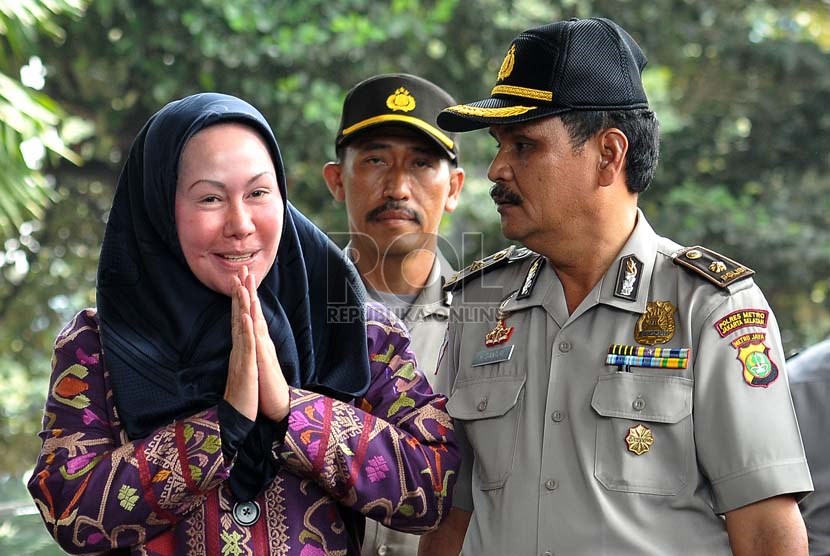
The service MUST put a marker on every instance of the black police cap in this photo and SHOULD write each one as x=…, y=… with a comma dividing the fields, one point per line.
x=578, y=64
x=397, y=99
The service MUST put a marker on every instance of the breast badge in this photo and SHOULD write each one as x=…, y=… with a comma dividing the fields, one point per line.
x=501, y=333
x=656, y=326
x=639, y=439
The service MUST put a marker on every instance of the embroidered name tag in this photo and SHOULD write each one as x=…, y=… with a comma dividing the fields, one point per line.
x=491, y=356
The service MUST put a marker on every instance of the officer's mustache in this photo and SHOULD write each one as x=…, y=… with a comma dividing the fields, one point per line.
x=501, y=195
x=390, y=206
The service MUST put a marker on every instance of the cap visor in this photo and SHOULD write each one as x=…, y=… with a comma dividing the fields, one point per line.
x=476, y=115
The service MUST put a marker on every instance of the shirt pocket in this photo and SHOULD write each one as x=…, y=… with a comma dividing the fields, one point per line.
x=489, y=410
x=636, y=412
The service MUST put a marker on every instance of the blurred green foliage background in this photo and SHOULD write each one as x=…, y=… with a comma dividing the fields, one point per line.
x=741, y=88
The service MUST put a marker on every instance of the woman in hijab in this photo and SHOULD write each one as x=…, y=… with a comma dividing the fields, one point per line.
x=232, y=394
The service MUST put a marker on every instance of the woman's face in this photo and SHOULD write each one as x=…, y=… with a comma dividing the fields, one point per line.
x=229, y=210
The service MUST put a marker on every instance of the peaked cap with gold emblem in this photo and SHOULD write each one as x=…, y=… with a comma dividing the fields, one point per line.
x=396, y=99
x=578, y=64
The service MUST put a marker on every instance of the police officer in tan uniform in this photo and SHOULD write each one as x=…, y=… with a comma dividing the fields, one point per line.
x=810, y=382
x=618, y=394
x=398, y=173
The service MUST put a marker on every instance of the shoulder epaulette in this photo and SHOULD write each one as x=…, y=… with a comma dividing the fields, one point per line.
x=716, y=268
x=481, y=266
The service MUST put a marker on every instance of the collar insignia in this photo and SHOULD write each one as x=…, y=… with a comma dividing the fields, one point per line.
x=628, y=278
x=400, y=100
x=530, y=279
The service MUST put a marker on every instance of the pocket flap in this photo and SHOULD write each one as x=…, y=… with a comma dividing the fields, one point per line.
x=484, y=399
x=661, y=399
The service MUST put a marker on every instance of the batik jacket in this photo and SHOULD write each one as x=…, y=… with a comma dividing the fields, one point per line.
x=391, y=455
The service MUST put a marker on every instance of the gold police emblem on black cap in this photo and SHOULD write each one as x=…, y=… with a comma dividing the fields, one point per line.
x=578, y=64
x=507, y=64
x=400, y=100
x=390, y=99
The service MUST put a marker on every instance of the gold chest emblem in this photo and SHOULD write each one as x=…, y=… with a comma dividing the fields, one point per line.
x=507, y=64
x=400, y=100
x=639, y=439
x=656, y=326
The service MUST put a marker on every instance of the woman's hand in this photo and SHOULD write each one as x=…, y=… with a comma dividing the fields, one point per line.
x=273, y=390
x=242, y=386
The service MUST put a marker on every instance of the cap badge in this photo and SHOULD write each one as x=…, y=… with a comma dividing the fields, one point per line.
x=639, y=439
x=656, y=326
x=507, y=64
x=400, y=100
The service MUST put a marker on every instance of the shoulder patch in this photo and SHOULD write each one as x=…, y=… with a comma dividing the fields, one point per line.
x=482, y=266
x=721, y=271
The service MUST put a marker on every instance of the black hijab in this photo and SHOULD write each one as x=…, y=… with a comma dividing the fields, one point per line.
x=166, y=336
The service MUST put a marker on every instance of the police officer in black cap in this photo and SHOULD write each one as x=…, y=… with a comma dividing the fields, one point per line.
x=625, y=393
x=398, y=174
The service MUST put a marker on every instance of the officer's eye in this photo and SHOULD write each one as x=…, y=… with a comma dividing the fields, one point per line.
x=424, y=163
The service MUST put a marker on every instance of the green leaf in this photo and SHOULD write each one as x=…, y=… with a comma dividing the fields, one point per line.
x=211, y=444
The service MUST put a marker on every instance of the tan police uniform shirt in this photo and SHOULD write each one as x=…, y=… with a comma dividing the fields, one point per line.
x=547, y=433
x=426, y=320
x=809, y=374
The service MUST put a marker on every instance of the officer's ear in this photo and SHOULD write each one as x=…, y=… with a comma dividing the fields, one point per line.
x=613, y=146
x=456, y=184
x=333, y=174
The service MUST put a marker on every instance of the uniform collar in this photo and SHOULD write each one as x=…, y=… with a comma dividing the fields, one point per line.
x=640, y=251
x=641, y=245
x=431, y=299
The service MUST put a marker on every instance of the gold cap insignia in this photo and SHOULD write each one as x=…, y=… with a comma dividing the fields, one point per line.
x=639, y=440
x=507, y=64
x=656, y=326
x=401, y=100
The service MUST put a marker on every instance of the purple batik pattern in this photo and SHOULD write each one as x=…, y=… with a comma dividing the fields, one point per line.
x=391, y=455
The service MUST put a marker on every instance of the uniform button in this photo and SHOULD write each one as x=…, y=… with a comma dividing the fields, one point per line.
x=639, y=404
x=482, y=405
x=382, y=549
x=245, y=513
x=551, y=484
x=565, y=347
x=557, y=416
